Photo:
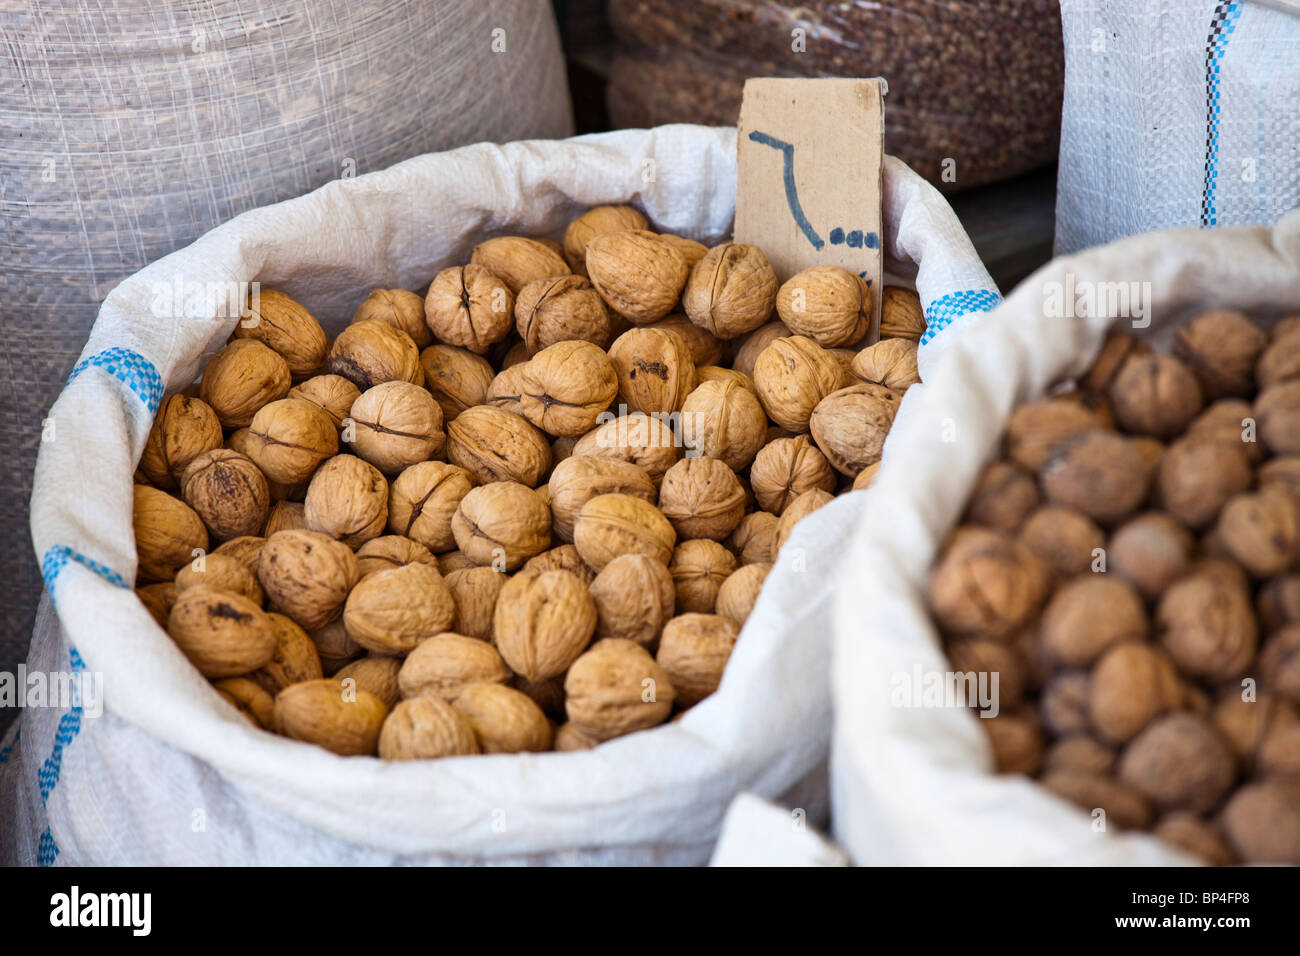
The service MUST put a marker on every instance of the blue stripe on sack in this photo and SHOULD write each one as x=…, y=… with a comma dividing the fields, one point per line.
x=57, y=558
x=1222, y=25
x=48, y=776
x=940, y=313
x=131, y=368
x=7, y=752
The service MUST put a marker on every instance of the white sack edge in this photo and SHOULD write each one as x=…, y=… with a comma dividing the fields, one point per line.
x=765, y=730
x=914, y=785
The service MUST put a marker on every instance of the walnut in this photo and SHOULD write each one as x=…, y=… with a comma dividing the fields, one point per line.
x=307, y=575
x=1124, y=807
x=1179, y=762
x=785, y=469
x=723, y=420
x=249, y=698
x=423, y=499
x=751, y=542
x=691, y=250
x=694, y=651
x=502, y=524
x=518, y=261
x=321, y=712
x=1150, y=551
x=569, y=737
x=616, y=688
x=1198, y=475
x=1079, y=753
x=702, y=498
x=455, y=561
x=469, y=306
x=890, y=363
x=1088, y=615
x=638, y=274
x=221, y=572
x=504, y=719
x=335, y=649
x=1221, y=348
x=1261, y=531
x=426, y=728
x=594, y=222
x=392, y=551
x=1117, y=348
x=706, y=348
x=655, y=369
x=222, y=633
x=865, y=477
x=543, y=622
x=183, y=429
x=745, y=351
x=295, y=658
x=332, y=394
x=641, y=439
x=991, y=657
x=457, y=378
x=493, y=444
x=1065, y=701
x=373, y=352
x=1004, y=495
x=401, y=309
x=1017, y=743
x=376, y=675
x=561, y=309
x=726, y=376
x=1280, y=360
x=1195, y=836
x=731, y=290
x=506, y=390
x=347, y=499
x=228, y=493
x=850, y=426
x=1098, y=472
x=281, y=324
x=1277, y=410
x=1131, y=685
x=577, y=480
x=984, y=583
x=1036, y=429
x=901, y=316
x=1262, y=822
x=698, y=568
x=739, y=592
x=446, y=663
x=634, y=596
x=1155, y=395
x=562, y=558
x=801, y=507
x=1205, y=621
x=792, y=375
x=395, y=425
x=475, y=591
x=566, y=387
x=159, y=597
x=830, y=305
x=289, y=438
x=284, y=516
x=1279, y=663
x=1228, y=421
x=613, y=524
x=1278, y=603
x=241, y=378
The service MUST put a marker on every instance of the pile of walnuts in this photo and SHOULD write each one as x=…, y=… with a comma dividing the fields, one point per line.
x=530, y=510
x=1131, y=571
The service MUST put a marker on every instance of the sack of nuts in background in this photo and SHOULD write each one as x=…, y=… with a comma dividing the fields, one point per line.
x=1134, y=664
x=171, y=772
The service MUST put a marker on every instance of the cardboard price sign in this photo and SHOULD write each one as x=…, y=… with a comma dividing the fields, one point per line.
x=808, y=189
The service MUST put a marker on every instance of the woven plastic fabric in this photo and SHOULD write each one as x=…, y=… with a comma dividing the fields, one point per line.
x=128, y=128
x=1177, y=113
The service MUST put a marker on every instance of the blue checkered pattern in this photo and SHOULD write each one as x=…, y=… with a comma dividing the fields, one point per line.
x=941, y=311
x=131, y=368
x=47, y=851
x=1222, y=25
x=57, y=558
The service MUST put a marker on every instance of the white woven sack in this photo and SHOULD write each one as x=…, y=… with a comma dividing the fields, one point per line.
x=1177, y=113
x=914, y=785
x=171, y=774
